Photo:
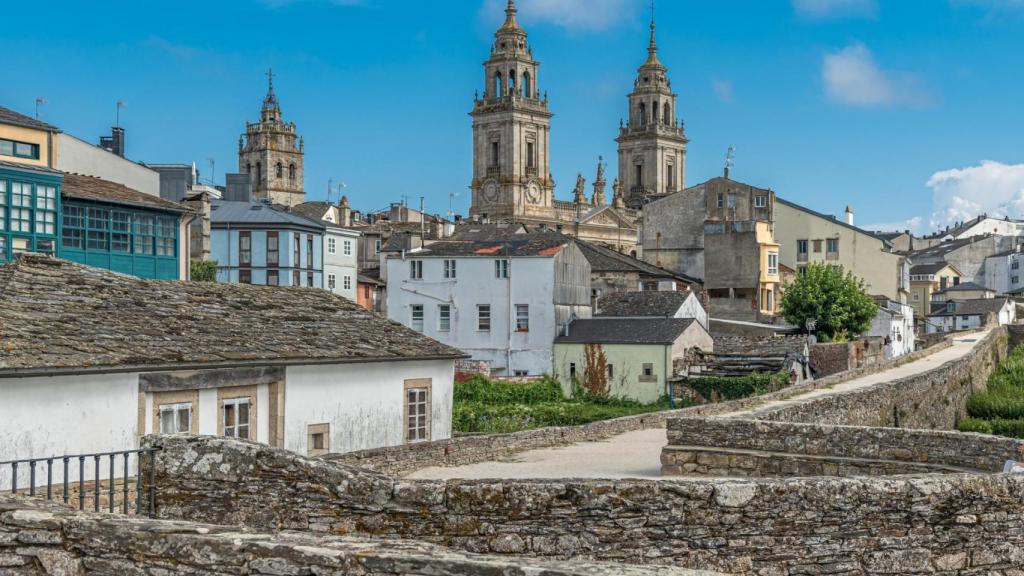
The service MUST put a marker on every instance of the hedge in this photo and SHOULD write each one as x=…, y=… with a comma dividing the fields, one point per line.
x=480, y=389
x=733, y=387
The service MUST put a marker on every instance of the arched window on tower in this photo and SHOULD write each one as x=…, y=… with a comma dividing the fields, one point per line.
x=527, y=86
x=498, y=86
x=654, y=113
x=511, y=82
x=259, y=171
x=279, y=170
x=248, y=168
x=666, y=117
x=291, y=171
x=642, y=114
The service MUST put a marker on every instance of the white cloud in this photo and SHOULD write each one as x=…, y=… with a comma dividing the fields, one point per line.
x=723, y=89
x=991, y=188
x=584, y=15
x=834, y=8
x=852, y=77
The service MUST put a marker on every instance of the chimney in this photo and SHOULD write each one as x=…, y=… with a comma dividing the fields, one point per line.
x=115, y=142
x=849, y=216
x=345, y=212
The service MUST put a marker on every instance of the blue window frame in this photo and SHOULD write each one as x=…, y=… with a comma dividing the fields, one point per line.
x=19, y=149
x=73, y=229
x=99, y=229
x=166, y=236
x=21, y=207
x=120, y=238
x=144, y=232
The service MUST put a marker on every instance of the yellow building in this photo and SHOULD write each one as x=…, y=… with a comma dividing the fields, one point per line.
x=926, y=280
x=26, y=140
x=770, y=278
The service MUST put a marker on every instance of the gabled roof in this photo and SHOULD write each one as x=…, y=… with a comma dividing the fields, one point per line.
x=603, y=259
x=314, y=211
x=100, y=190
x=476, y=232
x=545, y=243
x=57, y=315
x=254, y=212
x=8, y=116
x=973, y=307
x=649, y=303
x=941, y=250
x=28, y=168
x=614, y=213
x=921, y=269
x=966, y=287
x=625, y=331
x=830, y=218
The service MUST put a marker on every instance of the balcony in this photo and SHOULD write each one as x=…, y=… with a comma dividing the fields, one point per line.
x=801, y=256
x=833, y=256
x=494, y=171
x=531, y=170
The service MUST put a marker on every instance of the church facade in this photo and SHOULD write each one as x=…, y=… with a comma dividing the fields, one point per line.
x=271, y=152
x=512, y=179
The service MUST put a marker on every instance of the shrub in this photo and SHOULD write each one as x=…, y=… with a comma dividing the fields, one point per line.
x=975, y=425
x=203, y=271
x=733, y=387
x=481, y=389
x=989, y=405
x=1009, y=428
x=1000, y=409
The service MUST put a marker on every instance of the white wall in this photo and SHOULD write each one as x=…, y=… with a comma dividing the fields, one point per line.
x=363, y=403
x=1000, y=272
x=74, y=155
x=995, y=226
x=339, y=264
x=41, y=417
x=692, y=308
x=532, y=283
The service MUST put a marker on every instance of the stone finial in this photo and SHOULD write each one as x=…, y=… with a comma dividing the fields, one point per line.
x=578, y=196
x=617, y=200
x=598, y=198
x=344, y=202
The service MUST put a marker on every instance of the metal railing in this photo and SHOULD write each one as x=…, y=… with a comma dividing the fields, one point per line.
x=66, y=487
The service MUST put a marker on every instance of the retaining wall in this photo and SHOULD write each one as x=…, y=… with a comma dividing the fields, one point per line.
x=948, y=524
x=41, y=538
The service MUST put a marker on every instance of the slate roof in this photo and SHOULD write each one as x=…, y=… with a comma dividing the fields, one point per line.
x=547, y=243
x=8, y=116
x=927, y=268
x=940, y=250
x=831, y=218
x=29, y=168
x=625, y=331
x=604, y=259
x=476, y=232
x=638, y=304
x=965, y=287
x=257, y=213
x=57, y=315
x=98, y=189
x=973, y=307
x=312, y=211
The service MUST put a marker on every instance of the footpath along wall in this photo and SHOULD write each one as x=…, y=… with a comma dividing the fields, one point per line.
x=43, y=538
x=936, y=524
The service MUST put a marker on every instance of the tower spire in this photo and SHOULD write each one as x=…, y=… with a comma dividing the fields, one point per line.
x=510, y=18
x=652, y=46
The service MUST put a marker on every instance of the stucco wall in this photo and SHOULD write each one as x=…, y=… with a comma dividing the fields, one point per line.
x=340, y=264
x=363, y=403
x=74, y=155
x=627, y=361
x=673, y=232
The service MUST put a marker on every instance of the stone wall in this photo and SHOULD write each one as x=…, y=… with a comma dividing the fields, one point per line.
x=741, y=448
x=948, y=524
x=835, y=357
x=934, y=399
x=42, y=538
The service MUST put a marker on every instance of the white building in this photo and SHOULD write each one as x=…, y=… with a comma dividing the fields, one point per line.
x=94, y=360
x=80, y=157
x=979, y=226
x=1004, y=272
x=954, y=315
x=894, y=322
x=501, y=301
x=653, y=304
x=340, y=245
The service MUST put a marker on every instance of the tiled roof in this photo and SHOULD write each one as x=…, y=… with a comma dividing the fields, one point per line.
x=255, y=212
x=546, y=243
x=647, y=303
x=8, y=116
x=940, y=250
x=58, y=315
x=604, y=259
x=28, y=168
x=625, y=331
x=976, y=306
x=98, y=189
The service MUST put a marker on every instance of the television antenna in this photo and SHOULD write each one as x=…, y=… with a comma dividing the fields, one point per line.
x=213, y=163
x=40, y=101
x=117, y=113
x=730, y=156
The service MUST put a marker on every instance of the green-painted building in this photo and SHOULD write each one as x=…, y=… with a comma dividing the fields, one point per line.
x=29, y=209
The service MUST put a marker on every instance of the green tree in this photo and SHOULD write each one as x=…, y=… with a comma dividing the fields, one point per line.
x=201, y=271
x=835, y=300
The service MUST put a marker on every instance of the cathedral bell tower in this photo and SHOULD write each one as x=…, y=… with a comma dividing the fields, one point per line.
x=511, y=132
x=271, y=153
x=652, y=143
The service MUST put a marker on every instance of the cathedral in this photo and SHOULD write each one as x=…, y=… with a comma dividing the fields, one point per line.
x=512, y=179
x=271, y=153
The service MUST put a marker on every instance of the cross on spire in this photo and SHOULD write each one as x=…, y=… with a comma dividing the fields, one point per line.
x=270, y=78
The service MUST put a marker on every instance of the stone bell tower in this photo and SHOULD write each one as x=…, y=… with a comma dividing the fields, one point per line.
x=271, y=153
x=511, y=131
x=652, y=143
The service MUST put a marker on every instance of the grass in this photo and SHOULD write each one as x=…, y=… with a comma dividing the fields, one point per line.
x=1000, y=409
x=485, y=406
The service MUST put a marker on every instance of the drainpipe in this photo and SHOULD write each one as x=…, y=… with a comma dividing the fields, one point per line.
x=668, y=383
x=511, y=319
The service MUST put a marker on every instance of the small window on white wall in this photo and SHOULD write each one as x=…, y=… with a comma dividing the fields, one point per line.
x=332, y=245
x=347, y=247
x=176, y=418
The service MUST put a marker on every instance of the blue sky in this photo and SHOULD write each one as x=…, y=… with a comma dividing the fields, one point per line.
x=907, y=110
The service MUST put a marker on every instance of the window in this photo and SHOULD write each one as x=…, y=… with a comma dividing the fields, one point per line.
x=802, y=270
x=773, y=263
x=732, y=200
x=347, y=248
x=483, y=317
x=46, y=210
x=3, y=203
x=279, y=170
x=74, y=224
x=318, y=441
x=20, y=245
x=417, y=410
x=99, y=224
x=19, y=149
x=273, y=278
x=309, y=279
x=235, y=414
x=21, y=207
x=501, y=268
x=273, y=249
x=817, y=246
x=572, y=369
x=721, y=200
x=520, y=373
x=415, y=269
x=417, y=317
x=670, y=176
x=611, y=371
x=1015, y=265
x=176, y=418
x=444, y=317
x=331, y=281
x=291, y=171
x=531, y=162
x=120, y=231
x=309, y=250
x=1014, y=279
x=245, y=276
x=297, y=250
x=916, y=296
x=376, y=246
x=801, y=246
x=494, y=154
x=760, y=201
x=296, y=278
x=522, y=318
x=347, y=282
x=832, y=245
x=144, y=233
x=332, y=247
x=647, y=372
x=449, y=269
x=245, y=248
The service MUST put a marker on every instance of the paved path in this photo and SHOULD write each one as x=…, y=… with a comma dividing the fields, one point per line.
x=638, y=454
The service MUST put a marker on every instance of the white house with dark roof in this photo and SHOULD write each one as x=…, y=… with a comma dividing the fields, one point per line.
x=501, y=301
x=653, y=304
x=955, y=315
x=91, y=360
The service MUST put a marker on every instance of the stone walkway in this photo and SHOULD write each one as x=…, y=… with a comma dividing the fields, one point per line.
x=638, y=454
